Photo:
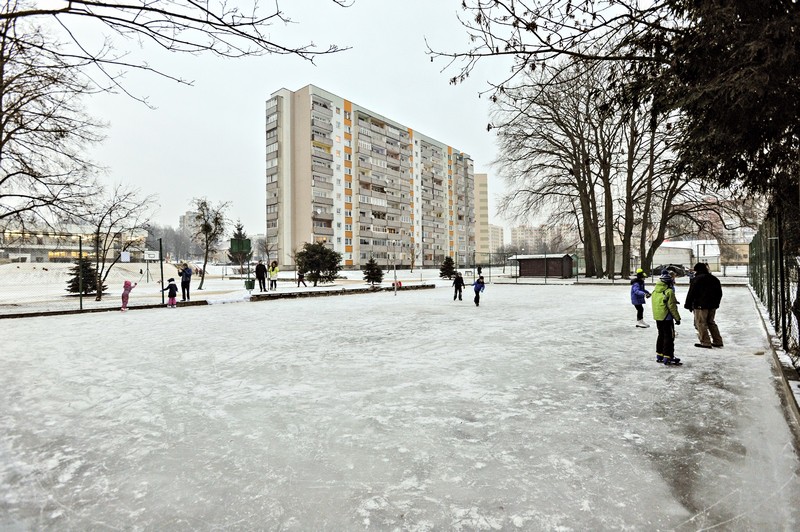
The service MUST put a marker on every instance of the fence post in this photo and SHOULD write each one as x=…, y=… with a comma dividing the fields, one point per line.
x=80, y=271
x=161, y=265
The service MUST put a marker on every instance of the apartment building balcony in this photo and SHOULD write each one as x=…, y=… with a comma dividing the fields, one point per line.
x=322, y=215
x=324, y=170
x=322, y=154
x=323, y=125
x=323, y=231
x=322, y=139
x=324, y=202
x=322, y=108
x=321, y=185
x=381, y=195
x=377, y=128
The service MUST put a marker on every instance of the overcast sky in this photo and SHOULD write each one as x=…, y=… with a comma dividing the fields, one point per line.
x=207, y=140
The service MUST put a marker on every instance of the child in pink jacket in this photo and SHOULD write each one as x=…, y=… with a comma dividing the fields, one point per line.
x=126, y=292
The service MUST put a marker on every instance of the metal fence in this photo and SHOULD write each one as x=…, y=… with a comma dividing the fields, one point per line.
x=39, y=273
x=774, y=274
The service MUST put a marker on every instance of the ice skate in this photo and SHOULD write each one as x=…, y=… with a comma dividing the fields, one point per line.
x=660, y=359
x=641, y=324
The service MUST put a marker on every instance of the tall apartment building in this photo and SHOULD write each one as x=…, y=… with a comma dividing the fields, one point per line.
x=526, y=237
x=482, y=214
x=496, y=237
x=362, y=184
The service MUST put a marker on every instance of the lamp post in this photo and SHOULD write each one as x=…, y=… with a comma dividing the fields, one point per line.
x=394, y=261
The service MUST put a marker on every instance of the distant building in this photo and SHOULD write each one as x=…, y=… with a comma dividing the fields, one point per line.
x=482, y=234
x=363, y=185
x=44, y=245
x=525, y=237
x=496, y=237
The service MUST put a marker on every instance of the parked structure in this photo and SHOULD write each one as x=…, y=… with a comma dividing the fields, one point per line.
x=559, y=266
x=365, y=185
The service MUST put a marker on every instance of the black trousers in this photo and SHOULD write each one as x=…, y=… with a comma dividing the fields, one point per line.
x=477, y=299
x=665, y=343
x=262, y=283
x=185, y=290
x=457, y=293
x=639, y=312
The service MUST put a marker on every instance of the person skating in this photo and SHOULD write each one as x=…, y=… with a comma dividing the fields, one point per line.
x=273, y=275
x=186, y=280
x=172, y=293
x=126, y=292
x=261, y=275
x=459, y=285
x=665, y=312
x=638, y=295
x=301, y=278
x=703, y=299
x=478, y=286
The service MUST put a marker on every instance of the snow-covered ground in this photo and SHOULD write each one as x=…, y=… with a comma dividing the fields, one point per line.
x=542, y=409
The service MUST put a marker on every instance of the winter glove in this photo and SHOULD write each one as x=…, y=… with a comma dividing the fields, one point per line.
x=677, y=322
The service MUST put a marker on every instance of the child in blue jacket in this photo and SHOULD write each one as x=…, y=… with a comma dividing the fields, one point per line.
x=478, y=286
x=638, y=295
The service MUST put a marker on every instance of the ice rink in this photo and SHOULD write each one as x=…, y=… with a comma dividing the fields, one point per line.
x=542, y=409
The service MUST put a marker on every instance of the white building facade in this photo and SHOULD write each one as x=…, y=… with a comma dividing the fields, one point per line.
x=362, y=184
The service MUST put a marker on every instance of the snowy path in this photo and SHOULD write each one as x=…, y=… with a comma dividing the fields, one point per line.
x=541, y=410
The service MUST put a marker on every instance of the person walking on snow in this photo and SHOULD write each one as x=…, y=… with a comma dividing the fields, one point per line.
x=459, y=285
x=172, y=294
x=301, y=278
x=703, y=299
x=186, y=279
x=261, y=275
x=126, y=292
x=638, y=295
x=665, y=312
x=478, y=286
x=273, y=275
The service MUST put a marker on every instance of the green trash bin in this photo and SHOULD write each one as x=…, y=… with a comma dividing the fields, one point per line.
x=249, y=284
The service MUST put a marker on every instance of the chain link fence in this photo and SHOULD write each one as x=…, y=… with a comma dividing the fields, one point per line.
x=774, y=275
x=41, y=272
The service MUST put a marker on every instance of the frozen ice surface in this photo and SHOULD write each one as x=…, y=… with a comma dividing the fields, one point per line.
x=542, y=409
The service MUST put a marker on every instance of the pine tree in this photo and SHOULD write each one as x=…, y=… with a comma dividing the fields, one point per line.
x=239, y=256
x=83, y=267
x=448, y=269
x=373, y=273
x=320, y=264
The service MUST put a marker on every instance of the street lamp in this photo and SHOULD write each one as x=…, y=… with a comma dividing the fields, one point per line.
x=394, y=261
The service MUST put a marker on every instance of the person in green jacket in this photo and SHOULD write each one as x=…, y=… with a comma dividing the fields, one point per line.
x=665, y=312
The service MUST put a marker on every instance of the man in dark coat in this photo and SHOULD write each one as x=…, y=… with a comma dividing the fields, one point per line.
x=186, y=281
x=459, y=285
x=261, y=275
x=703, y=299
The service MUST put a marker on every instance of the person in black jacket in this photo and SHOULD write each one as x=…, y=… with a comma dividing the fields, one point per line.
x=172, y=294
x=459, y=285
x=703, y=299
x=186, y=280
x=261, y=275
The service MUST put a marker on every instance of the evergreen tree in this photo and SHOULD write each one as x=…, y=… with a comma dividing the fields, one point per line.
x=240, y=257
x=83, y=267
x=320, y=263
x=448, y=269
x=373, y=273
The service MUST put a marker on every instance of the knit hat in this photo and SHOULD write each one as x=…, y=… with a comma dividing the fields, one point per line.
x=700, y=268
x=171, y=280
x=665, y=277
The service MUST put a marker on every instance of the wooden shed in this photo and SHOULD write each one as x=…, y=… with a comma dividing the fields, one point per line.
x=558, y=266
